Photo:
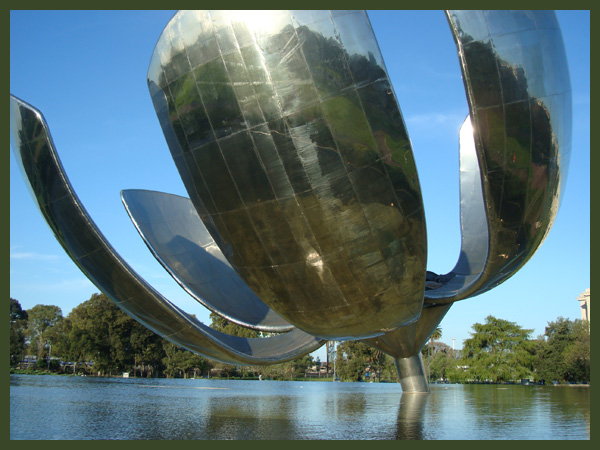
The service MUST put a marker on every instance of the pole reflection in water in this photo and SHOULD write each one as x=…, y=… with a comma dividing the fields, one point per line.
x=411, y=414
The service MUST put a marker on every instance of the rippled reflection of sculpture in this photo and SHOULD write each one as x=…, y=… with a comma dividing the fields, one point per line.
x=305, y=215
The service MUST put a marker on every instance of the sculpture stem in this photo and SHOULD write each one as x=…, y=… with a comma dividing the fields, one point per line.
x=412, y=375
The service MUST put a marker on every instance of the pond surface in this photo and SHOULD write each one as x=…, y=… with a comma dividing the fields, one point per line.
x=58, y=407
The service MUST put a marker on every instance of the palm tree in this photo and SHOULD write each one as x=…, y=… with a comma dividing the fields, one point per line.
x=435, y=336
x=377, y=357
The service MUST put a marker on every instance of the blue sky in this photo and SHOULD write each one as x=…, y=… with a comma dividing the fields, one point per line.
x=86, y=72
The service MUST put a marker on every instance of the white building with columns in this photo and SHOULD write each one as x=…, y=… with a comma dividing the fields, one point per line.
x=584, y=301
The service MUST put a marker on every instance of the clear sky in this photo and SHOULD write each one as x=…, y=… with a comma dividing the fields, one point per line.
x=86, y=72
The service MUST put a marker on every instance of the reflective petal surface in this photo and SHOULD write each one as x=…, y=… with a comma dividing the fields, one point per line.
x=173, y=231
x=87, y=247
x=285, y=129
x=517, y=81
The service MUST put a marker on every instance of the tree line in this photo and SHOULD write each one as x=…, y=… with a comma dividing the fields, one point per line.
x=498, y=351
x=502, y=351
x=98, y=338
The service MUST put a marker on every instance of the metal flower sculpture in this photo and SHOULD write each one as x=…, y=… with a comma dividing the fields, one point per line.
x=305, y=215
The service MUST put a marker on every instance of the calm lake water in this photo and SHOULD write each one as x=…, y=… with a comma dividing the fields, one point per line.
x=54, y=407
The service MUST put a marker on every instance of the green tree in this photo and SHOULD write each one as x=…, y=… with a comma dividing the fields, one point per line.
x=40, y=319
x=148, y=351
x=89, y=334
x=300, y=365
x=101, y=331
x=289, y=370
x=577, y=353
x=377, y=363
x=221, y=324
x=428, y=351
x=564, y=352
x=435, y=336
x=182, y=363
x=498, y=350
x=18, y=325
x=388, y=369
x=442, y=362
x=58, y=336
x=225, y=326
x=353, y=359
x=317, y=365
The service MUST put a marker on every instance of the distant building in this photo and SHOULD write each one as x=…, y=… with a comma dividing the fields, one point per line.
x=584, y=301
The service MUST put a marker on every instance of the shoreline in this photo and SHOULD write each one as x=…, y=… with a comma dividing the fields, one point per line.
x=328, y=380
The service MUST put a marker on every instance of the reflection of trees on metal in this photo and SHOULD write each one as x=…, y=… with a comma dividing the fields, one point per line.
x=305, y=213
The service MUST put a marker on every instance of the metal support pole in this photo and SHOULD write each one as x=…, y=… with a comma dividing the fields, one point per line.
x=412, y=375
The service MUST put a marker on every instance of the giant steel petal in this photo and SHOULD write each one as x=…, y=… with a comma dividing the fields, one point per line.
x=285, y=129
x=177, y=237
x=517, y=82
x=87, y=247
